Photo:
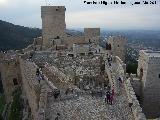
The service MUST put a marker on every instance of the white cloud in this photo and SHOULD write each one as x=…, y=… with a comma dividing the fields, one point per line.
x=118, y=18
x=27, y=13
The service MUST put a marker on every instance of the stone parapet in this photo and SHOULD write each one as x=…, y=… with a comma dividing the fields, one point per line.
x=133, y=102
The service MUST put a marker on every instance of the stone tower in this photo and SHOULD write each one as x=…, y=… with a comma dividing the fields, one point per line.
x=116, y=45
x=53, y=24
x=149, y=73
x=92, y=35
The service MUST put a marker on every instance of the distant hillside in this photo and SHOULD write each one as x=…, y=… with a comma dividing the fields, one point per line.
x=149, y=38
x=15, y=36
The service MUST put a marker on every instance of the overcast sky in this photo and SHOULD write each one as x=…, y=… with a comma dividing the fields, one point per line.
x=80, y=15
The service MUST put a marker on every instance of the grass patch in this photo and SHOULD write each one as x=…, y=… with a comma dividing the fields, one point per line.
x=16, y=106
x=2, y=103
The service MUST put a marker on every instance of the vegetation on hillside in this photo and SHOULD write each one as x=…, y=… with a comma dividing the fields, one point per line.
x=15, y=36
x=2, y=104
x=16, y=111
x=131, y=61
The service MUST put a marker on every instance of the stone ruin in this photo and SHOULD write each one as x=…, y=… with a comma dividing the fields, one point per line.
x=69, y=86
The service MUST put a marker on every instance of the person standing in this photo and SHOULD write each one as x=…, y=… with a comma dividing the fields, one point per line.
x=112, y=96
x=108, y=96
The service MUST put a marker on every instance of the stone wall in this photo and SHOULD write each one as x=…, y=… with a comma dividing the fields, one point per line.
x=53, y=23
x=133, y=102
x=56, y=72
x=70, y=40
x=151, y=89
x=137, y=86
x=81, y=49
x=116, y=70
x=149, y=73
x=10, y=75
x=92, y=35
x=132, y=99
x=30, y=85
x=118, y=46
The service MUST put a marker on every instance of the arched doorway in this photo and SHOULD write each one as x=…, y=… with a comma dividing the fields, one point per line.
x=108, y=46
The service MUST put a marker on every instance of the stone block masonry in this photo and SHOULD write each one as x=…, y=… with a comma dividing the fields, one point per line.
x=53, y=23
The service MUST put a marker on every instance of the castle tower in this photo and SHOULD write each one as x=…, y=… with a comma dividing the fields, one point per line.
x=117, y=46
x=92, y=35
x=149, y=73
x=53, y=24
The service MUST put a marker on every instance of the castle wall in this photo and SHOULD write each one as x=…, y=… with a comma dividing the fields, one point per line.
x=30, y=85
x=69, y=41
x=149, y=73
x=92, y=35
x=53, y=23
x=11, y=77
x=118, y=46
x=128, y=89
x=37, y=41
x=132, y=100
x=151, y=89
x=80, y=49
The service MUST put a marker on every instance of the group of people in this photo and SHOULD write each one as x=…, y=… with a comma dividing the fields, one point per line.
x=109, y=96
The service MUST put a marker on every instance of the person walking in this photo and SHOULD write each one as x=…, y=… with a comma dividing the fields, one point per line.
x=112, y=96
x=58, y=115
x=108, y=96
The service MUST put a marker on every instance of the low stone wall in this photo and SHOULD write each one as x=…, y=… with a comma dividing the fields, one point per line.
x=61, y=76
x=133, y=102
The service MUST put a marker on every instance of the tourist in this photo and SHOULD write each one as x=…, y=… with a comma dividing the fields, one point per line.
x=41, y=75
x=120, y=80
x=58, y=115
x=108, y=96
x=112, y=96
x=56, y=94
x=39, y=78
x=37, y=72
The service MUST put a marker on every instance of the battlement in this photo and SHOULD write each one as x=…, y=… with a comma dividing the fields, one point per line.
x=117, y=38
x=52, y=9
x=92, y=35
x=150, y=57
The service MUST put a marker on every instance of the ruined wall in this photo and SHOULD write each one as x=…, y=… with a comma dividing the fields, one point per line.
x=53, y=23
x=137, y=86
x=11, y=77
x=56, y=72
x=142, y=66
x=118, y=46
x=70, y=40
x=119, y=70
x=28, y=48
x=132, y=100
x=92, y=35
x=37, y=41
x=30, y=85
x=80, y=48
